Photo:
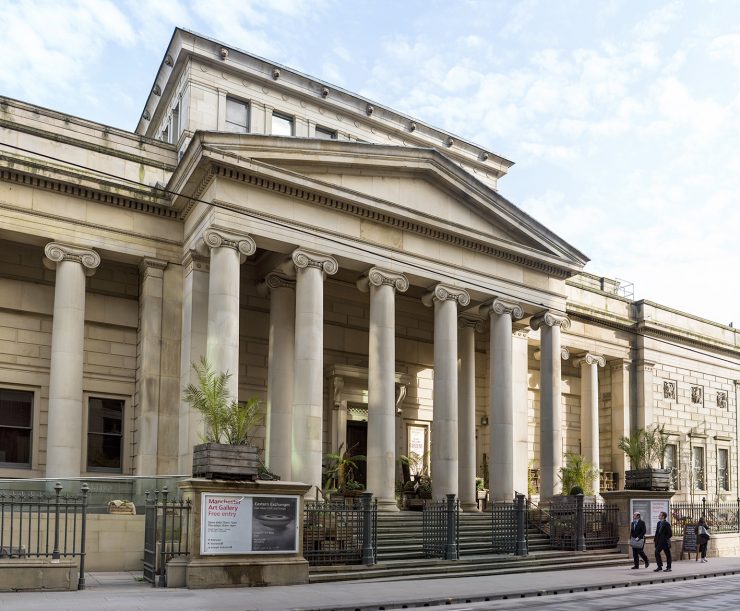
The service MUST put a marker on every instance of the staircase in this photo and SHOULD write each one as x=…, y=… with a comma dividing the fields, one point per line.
x=400, y=553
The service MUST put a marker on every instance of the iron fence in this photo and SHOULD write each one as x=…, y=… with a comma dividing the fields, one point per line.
x=44, y=525
x=166, y=533
x=720, y=517
x=509, y=532
x=600, y=525
x=441, y=528
x=340, y=532
x=563, y=526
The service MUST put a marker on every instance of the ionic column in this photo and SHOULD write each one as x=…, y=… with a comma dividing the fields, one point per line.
x=381, y=383
x=590, y=409
x=64, y=430
x=308, y=378
x=280, y=361
x=621, y=419
x=501, y=407
x=228, y=252
x=444, y=421
x=150, y=351
x=551, y=427
x=466, y=411
x=520, y=363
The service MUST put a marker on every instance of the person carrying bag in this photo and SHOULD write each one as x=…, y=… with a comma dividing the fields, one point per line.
x=702, y=539
x=637, y=540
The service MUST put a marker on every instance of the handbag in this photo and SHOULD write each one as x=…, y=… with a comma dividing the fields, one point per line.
x=703, y=533
x=636, y=543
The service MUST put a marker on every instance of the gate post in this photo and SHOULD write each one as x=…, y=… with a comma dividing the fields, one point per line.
x=55, y=555
x=521, y=527
x=451, y=545
x=580, y=538
x=368, y=552
x=163, y=551
x=83, y=535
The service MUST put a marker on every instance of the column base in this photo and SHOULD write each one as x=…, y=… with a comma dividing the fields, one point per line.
x=387, y=505
x=469, y=507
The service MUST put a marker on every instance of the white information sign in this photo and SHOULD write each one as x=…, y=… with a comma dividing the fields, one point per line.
x=249, y=524
x=649, y=510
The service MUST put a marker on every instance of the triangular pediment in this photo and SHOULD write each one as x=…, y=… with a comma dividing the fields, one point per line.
x=419, y=186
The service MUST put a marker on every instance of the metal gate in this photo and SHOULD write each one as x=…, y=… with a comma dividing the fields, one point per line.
x=441, y=528
x=166, y=534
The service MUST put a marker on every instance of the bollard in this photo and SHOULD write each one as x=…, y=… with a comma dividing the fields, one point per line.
x=521, y=526
x=451, y=546
x=368, y=552
x=580, y=525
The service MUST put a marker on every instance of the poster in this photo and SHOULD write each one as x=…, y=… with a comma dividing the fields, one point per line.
x=649, y=510
x=417, y=440
x=248, y=524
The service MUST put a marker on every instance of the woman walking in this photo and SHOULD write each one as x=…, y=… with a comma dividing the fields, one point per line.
x=702, y=539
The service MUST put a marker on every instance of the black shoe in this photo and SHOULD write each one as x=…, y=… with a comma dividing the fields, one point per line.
x=658, y=570
x=647, y=564
x=635, y=567
x=668, y=570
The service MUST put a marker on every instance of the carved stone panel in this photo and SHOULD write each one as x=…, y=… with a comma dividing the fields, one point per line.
x=722, y=399
x=669, y=390
x=697, y=395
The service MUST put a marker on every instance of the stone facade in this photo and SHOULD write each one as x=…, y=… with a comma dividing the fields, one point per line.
x=354, y=268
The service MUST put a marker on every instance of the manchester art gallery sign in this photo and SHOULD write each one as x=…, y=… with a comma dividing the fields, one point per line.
x=248, y=524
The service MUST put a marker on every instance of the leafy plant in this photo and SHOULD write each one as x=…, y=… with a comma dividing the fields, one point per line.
x=578, y=473
x=227, y=421
x=635, y=449
x=645, y=447
x=417, y=463
x=340, y=470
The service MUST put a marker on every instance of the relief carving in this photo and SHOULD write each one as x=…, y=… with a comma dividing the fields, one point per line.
x=669, y=390
x=722, y=399
x=697, y=395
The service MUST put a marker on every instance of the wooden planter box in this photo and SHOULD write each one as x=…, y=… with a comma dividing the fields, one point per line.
x=647, y=479
x=221, y=461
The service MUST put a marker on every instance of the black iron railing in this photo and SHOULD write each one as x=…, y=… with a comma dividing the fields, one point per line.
x=340, y=532
x=720, y=517
x=441, y=528
x=572, y=524
x=509, y=532
x=44, y=525
x=600, y=525
x=166, y=533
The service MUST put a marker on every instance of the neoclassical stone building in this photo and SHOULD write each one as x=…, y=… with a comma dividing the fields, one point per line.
x=355, y=268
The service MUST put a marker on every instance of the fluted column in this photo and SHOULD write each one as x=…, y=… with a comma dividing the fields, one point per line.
x=445, y=300
x=280, y=361
x=381, y=383
x=501, y=407
x=551, y=427
x=466, y=411
x=520, y=364
x=64, y=429
x=590, y=409
x=228, y=252
x=308, y=387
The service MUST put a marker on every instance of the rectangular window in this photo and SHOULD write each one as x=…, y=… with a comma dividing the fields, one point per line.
x=282, y=125
x=671, y=463
x=105, y=434
x=697, y=467
x=324, y=133
x=175, y=124
x=16, y=422
x=237, y=116
x=723, y=469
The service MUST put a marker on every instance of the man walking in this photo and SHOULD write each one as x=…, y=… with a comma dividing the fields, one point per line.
x=663, y=534
x=637, y=541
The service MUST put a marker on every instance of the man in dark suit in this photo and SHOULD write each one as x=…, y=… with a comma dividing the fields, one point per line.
x=663, y=534
x=637, y=532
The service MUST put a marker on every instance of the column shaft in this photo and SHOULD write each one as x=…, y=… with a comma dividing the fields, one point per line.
x=520, y=363
x=281, y=357
x=590, y=410
x=501, y=469
x=466, y=411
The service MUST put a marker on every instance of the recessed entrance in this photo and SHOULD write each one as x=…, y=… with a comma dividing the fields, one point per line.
x=357, y=445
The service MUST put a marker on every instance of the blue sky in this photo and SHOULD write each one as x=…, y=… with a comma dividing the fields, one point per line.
x=622, y=116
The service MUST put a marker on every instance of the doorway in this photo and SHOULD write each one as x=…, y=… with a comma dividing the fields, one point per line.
x=357, y=445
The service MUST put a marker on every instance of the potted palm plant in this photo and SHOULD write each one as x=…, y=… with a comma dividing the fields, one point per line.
x=646, y=450
x=578, y=475
x=340, y=473
x=227, y=451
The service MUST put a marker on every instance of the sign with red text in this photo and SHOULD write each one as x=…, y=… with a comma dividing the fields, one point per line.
x=248, y=524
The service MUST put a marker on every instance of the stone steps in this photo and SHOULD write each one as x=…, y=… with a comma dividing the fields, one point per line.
x=477, y=567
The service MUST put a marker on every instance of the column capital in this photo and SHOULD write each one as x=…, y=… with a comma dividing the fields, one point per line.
x=500, y=307
x=56, y=252
x=477, y=324
x=445, y=292
x=275, y=280
x=590, y=359
x=564, y=354
x=522, y=333
x=377, y=276
x=549, y=319
x=240, y=242
x=303, y=258
x=152, y=267
x=192, y=259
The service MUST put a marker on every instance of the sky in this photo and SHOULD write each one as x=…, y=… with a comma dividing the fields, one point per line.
x=622, y=116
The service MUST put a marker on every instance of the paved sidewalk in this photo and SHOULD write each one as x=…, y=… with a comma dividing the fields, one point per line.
x=125, y=591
